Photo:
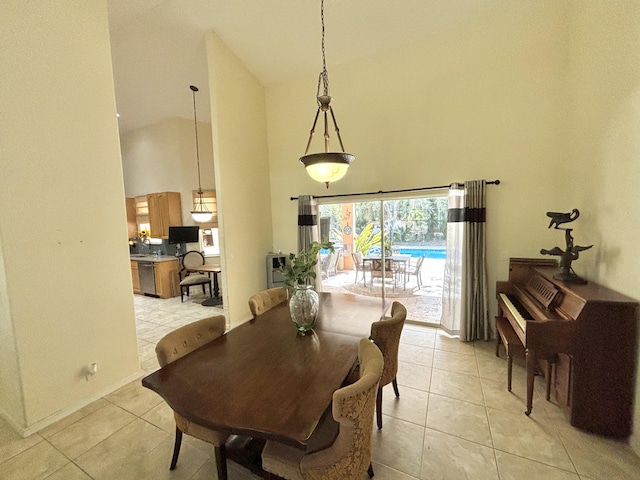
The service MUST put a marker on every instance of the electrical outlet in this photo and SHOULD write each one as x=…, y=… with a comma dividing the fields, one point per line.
x=504, y=256
x=91, y=371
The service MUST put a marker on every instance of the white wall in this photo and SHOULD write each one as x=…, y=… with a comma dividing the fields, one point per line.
x=604, y=106
x=66, y=296
x=239, y=127
x=162, y=158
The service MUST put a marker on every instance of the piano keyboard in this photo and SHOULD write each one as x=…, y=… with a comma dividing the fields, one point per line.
x=519, y=313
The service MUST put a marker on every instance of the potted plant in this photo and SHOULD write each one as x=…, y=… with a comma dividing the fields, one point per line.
x=298, y=273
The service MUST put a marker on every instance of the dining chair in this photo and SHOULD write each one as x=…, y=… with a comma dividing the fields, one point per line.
x=265, y=300
x=170, y=348
x=349, y=456
x=385, y=334
x=192, y=259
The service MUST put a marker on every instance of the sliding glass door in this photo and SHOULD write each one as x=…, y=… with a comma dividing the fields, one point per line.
x=391, y=248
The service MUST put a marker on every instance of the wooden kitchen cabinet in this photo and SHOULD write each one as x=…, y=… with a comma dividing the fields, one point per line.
x=166, y=274
x=164, y=209
x=132, y=224
x=134, y=276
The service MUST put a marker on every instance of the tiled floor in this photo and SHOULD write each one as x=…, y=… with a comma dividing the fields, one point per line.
x=453, y=420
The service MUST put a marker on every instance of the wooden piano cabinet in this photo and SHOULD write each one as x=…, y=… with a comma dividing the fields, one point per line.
x=590, y=333
x=562, y=382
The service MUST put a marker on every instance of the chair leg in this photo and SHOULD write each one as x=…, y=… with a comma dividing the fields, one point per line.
x=221, y=461
x=181, y=294
x=370, y=471
x=395, y=387
x=379, y=407
x=176, y=449
x=204, y=289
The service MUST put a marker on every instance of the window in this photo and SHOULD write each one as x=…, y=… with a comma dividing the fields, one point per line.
x=209, y=244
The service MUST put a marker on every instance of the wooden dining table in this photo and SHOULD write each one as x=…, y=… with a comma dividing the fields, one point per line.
x=264, y=380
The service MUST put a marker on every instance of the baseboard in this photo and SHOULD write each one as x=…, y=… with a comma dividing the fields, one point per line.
x=51, y=419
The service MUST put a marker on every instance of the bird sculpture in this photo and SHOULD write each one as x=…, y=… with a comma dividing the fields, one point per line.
x=558, y=218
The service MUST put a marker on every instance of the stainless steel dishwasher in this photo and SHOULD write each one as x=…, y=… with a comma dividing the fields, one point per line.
x=147, y=276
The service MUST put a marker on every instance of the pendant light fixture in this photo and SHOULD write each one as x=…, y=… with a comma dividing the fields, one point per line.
x=200, y=212
x=327, y=166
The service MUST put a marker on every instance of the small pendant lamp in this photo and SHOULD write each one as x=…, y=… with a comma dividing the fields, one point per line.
x=200, y=212
x=327, y=166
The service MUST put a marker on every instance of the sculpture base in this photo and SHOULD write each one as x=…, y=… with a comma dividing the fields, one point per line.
x=570, y=278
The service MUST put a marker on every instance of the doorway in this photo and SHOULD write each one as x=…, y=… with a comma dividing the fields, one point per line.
x=392, y=248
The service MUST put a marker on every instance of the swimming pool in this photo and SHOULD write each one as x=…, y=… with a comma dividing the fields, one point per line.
x=428, y=252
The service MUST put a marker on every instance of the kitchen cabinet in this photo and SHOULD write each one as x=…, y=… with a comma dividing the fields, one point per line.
x=132, y=224
x=167, y=284
x=165, y=271
x=134, y=276
x=164, y=209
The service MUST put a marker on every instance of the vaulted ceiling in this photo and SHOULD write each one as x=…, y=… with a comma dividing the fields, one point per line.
x=158, y=46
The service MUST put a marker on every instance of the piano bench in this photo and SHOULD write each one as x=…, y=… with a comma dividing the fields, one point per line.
x=512, y=344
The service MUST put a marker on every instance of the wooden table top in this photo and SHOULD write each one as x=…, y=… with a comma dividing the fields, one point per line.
x=205, y=268
x=264, y=380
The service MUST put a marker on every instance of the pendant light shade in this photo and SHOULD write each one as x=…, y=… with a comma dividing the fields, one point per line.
x=326, y=166
x=200, y=212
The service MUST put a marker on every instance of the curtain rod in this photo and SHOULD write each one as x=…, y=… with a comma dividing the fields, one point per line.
x=379, y=192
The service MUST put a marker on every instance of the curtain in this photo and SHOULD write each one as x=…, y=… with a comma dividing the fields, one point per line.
x=453, y=265
x=307, y=222
x=464, y=305
x=308, y=227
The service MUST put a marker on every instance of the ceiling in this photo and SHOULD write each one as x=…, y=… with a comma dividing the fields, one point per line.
x=158, y=46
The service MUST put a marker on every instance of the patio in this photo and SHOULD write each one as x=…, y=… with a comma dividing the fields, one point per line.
x=423, y=305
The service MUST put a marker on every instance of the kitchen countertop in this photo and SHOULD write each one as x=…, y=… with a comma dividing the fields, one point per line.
x=151, y=258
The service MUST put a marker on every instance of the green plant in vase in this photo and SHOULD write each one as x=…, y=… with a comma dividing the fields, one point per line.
x=298, y=273
x=301, y=268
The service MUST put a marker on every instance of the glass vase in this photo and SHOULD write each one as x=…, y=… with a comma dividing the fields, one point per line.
x=303, y=305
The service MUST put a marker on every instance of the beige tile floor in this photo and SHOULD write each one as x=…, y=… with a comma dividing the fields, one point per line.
x=453, y=420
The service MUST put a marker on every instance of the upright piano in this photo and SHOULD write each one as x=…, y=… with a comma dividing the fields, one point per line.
x=588, y=333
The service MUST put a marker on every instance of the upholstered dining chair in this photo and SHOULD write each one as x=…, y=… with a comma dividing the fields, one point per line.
x=385, y=334
x=192, y=259
x=349, y=457
x=170, y=348
x=265, y=300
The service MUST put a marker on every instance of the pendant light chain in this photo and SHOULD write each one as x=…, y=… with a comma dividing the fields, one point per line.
x=195, y=125
x=324, y=75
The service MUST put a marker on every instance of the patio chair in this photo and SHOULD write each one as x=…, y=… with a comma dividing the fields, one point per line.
x=415, y=270
x=389, y=270
x=360, y=266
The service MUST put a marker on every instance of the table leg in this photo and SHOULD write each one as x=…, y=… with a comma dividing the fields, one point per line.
x=216, y=300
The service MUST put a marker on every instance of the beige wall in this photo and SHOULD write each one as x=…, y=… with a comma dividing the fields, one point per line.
x=66, y=296
x=242, y=176
x=604, y=114
x=544, y=96
x=482, y=100
x=162, y=158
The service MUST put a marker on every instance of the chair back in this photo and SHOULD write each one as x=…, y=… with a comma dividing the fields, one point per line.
x=385, y=334
x=186, y=339
x=418, y=266
x=265, y=300
x=353, y=407
x=357, y=260
x=192, y=259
